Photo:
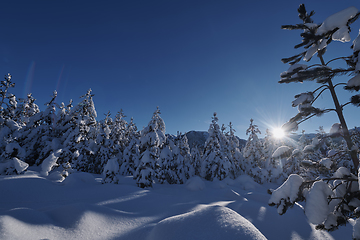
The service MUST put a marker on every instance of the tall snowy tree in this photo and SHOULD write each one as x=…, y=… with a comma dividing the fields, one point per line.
x=196, y=160
x=80, y=143
x=315, y=39
x=254, y=163
x=215, y=163
x=152, y=138
x=235, y=154
x=330, y=202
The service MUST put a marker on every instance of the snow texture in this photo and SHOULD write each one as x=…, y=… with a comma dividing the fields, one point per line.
x=342, y=34
x=335, y=128
x=195, y=184
x=49, y=163
x=326, y=162
x=82, y=208
x=302, y=98
x=112, y=165
x=337, y=20
x=317, y=208
x=354, y=81
x=19, y=165
x=310, y=52
x=288, y=190
x=281, y=151
x=214, y=222
x=297, y=67
x=356, y=43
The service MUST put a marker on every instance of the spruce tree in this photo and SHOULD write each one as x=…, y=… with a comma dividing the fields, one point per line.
x=254, y=164
x=215, y=163
x=152, y=139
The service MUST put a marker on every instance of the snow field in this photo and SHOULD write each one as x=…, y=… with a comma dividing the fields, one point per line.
x=33, y=207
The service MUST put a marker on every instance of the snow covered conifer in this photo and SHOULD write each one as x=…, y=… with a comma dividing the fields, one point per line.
x=118, y=133
x=334, y=201
x=215, y=163
x=81, y=140
x=235, y=154
x=152, y=138
x=131, y=154
x=315, y=39
x=254, y=164
x=196, y=160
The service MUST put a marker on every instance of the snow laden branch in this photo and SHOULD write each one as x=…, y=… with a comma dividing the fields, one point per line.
x=329, y=202
x=315, y=39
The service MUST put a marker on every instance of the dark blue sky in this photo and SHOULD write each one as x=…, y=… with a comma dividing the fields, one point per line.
x=190, y=58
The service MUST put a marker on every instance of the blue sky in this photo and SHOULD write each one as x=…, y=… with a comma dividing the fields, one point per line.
x=190, y=58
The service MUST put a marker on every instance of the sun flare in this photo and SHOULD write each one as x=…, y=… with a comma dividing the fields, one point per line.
x=278, y=133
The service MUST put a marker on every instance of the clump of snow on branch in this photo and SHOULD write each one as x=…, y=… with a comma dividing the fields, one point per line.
x=49, y=163
x=317, y=208
x=281, y=151
x=287, y=193
x=338, y=20
x=294, y=69
x=303, y=98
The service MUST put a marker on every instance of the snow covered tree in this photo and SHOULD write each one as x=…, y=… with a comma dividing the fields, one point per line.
x=215, y=163
x=316, y=38
x=185, y=168
x=254, y=164
x=196, y=160
x=104, y=143
x=118, y=133
x=37, y=136
x=80, y=143
x=26, y=109
x=131, y=154
x=329, y=202
x=235, y=154
x=168, y=163
x=7, y=99
x=152, y=138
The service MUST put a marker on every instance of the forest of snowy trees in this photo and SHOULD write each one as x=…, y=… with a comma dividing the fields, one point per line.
x=66, y=138
x=321, y=170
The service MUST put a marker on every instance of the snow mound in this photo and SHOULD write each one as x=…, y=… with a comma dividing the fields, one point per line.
x=210, y=223
x=195, y=184
x=245, y=182
x=79, y=178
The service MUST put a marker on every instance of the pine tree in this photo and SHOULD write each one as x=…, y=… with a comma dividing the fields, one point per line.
x=81, y=140
x=168, y=164
x=315, y=41
x=131, y=155
x=254, y=164
x=196, y=160
x=337, y=196
x=215, y=163
x=152, y=138
x=235, y=154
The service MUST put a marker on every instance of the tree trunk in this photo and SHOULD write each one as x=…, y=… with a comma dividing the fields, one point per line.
x=339, y=111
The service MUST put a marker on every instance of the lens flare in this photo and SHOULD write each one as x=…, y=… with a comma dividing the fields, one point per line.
x=278, y=133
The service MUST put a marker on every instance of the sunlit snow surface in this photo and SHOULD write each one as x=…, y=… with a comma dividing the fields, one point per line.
x=33, y=207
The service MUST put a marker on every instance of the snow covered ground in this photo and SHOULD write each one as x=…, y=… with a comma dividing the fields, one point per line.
x=33, y=207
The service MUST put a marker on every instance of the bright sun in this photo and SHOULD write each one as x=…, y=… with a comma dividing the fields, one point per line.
x=278, y=133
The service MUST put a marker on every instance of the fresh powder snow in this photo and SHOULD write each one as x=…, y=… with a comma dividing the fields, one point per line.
x=80, y=207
